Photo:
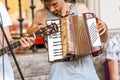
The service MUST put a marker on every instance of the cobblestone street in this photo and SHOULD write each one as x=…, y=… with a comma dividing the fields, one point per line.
x=34, y=66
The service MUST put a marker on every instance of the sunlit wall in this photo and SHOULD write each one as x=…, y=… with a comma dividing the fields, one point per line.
x=25, y=7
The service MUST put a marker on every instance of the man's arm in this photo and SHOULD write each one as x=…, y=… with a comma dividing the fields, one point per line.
x=38, y=21
x=113, y=55
x=101, y=26
x=7, y=32
x=113, y=69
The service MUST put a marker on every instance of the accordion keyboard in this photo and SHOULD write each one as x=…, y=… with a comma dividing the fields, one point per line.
x=55, y=43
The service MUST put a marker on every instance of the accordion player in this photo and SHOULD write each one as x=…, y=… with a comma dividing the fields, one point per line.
x=77, y=37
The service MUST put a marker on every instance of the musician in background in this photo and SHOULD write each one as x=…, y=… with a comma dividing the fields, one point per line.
x=113, y=57
x=6, y=72
x=82, y=69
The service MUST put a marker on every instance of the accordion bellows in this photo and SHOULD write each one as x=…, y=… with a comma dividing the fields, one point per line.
x=74, y=39
x=79, y=36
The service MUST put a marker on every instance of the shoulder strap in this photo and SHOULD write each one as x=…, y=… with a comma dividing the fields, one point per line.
x=74, y=9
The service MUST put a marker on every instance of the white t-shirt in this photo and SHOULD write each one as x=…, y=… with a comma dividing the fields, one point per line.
x=6, y=72
x=113, y=48
x=5, y=16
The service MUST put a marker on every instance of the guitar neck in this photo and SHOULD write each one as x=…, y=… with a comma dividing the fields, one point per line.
x=14, y=45
x=6, y=49
x=43, y=32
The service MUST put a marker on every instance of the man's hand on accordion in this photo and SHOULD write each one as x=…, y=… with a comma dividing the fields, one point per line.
x=102, y=29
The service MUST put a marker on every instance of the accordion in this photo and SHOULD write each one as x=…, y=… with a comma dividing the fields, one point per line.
x=77, y=37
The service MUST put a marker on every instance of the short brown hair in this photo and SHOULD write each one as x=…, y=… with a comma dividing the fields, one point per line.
x=45, y=0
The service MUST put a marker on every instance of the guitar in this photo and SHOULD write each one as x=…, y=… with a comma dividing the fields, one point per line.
x=42, y=32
